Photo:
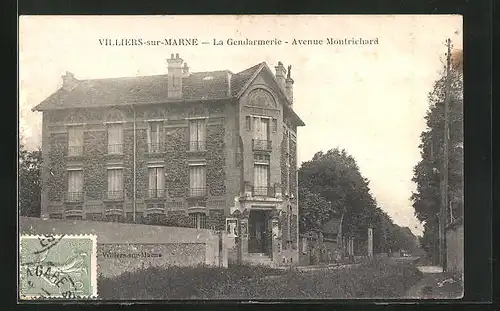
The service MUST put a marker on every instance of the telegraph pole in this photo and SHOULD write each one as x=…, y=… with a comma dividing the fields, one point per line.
x=444, y=188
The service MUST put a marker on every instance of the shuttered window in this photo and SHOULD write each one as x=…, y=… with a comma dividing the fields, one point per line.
x=75, y=140
x=156, y=182
x=155, y=131
x=197, y=180
x=115, y=183
x=115, y=138
x=197, y=135
x=260, y=128
x=75, y=185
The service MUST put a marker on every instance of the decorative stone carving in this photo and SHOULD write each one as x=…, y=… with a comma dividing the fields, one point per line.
x=76, y=117
x=262, y=98
x=114, y=115
x=156, y=113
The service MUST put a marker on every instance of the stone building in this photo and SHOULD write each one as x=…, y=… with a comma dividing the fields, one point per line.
x=181, y=149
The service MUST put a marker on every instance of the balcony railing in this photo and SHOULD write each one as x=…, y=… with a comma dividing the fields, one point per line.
x=263, y=191
x=74, y=196
x=114, y=195
x=258, y=144
x=75, y=150
x=197, y=145
x=155, y=148
x=155, y=193
x=197, y=192
x=115, y=148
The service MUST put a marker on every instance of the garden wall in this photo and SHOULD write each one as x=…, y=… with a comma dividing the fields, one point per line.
x=125, y=247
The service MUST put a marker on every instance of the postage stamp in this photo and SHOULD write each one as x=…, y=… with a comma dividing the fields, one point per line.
x=58, y=267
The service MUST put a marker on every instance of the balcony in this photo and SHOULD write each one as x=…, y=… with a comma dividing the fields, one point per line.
x=113, y=195
x=263, y=192
x=197, y=192
x=197, y=146
x=115, y=148
x=75, y=151
x=155, y=193
x=155, y=148
x=261, y=145
x=74, y=196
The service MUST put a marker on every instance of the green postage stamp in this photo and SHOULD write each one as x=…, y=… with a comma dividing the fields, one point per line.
x=58, y=267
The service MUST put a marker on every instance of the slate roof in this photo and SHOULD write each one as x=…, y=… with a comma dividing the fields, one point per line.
x=210, y=85
x=198, y=86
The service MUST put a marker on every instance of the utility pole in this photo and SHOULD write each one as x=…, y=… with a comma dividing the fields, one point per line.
x=444, y=188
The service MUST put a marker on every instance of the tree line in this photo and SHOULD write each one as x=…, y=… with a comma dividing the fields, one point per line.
x=331, y=185
x=428, y=172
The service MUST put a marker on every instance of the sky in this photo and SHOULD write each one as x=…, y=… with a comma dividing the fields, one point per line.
x=368, y=99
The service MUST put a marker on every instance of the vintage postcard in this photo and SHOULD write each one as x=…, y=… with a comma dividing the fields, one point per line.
x=240, y=157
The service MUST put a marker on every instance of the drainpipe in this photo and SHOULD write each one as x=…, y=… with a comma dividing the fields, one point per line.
x=134, y=167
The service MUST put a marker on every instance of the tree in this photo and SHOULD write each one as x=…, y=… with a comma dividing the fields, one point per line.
x=314, y=210
x=29, y=182
x=428, y=172
x=330, y=184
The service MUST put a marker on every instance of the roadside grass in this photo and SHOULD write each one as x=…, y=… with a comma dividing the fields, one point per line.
x=370, y=279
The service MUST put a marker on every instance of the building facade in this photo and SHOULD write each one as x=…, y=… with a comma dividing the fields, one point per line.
x=180, y=149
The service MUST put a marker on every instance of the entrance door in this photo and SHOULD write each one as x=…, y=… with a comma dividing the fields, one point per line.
x=258, y=234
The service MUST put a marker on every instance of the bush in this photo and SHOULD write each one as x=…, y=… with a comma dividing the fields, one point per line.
x=371, y=279
x=177, y=282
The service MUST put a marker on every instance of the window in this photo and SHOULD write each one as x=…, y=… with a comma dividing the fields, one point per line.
x=155, y=136
x=197, y=181
x=115, y=184
x=197, y=135
x=260, y=128
x=75, y=140
x=275, y=125
x=75, y=185
x=115, y=138
x=199, y=220
x=248, y=123
x=261, y=179
x=156, y=182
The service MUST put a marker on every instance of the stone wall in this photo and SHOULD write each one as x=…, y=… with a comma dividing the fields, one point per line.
x=176, y=165
x=283, y=162
x=124, y=247
x=216, y=160
x=114, y=259
x=57, y=167
x=94, y=164
x=293, y=168
x=216, y=219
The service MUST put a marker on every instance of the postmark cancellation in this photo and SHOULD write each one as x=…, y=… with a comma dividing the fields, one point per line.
x=57, y=267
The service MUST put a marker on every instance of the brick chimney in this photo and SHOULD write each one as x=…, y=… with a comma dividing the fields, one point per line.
x=280, y=75
x=69, y=81
x=289, y=85
x=185, y=71
x=174, y=76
